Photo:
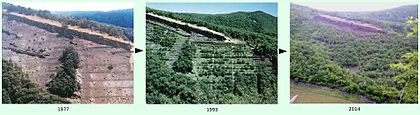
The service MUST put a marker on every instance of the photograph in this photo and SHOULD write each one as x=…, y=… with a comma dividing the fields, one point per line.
x=353, y=53
x=211, y=53
x=56, y=53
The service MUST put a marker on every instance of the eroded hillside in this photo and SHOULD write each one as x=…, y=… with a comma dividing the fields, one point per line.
x=358, y=27
x=105, y=72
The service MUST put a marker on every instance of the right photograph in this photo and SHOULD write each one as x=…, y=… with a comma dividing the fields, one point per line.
x=354, y=53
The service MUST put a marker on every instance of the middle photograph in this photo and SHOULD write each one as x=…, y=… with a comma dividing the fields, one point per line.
x=211, y=53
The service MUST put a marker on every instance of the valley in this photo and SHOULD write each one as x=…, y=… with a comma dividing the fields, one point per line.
x=352, y=54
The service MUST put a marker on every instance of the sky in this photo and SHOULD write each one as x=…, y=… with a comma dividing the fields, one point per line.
x=76, y=6
x=215, y=8
x=353, y=6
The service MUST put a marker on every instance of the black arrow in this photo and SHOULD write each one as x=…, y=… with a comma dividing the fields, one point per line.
x=136, y=50
x=281, y=51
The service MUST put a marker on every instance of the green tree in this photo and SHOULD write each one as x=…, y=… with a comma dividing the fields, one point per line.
x=184, y=63
x=407, y=80
x=18, y=89
x=415, y=28
x=70, y=58
x=65, y=82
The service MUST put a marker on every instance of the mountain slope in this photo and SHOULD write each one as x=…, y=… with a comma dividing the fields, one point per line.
x=119, y=32
x=399, y=14
x=332, y=52
x=391, y=20
x=115, y=17
x=257, y=21
x=258, y=29
x=35, y=40
x=195, y=58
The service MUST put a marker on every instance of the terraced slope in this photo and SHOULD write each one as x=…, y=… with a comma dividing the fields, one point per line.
x=105, y=72
x=229, y=59
x=192, y=27
x=187, y=64
x=75, y=28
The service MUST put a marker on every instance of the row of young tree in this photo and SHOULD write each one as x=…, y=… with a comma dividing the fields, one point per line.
x=240, y=25
x=166, y=86
x=177, y=84
x=160, y=35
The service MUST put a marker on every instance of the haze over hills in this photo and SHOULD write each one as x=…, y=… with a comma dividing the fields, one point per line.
x=351, y=53
x=114, y=17
x=394, y=18
x=399, y=14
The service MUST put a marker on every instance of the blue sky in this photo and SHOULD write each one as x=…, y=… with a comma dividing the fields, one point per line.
x=215, y=8
x=70, y=6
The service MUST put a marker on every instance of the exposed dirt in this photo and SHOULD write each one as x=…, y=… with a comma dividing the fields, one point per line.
x=99, y=83
x=76, y=28
x=198, y=29
x=358, y=27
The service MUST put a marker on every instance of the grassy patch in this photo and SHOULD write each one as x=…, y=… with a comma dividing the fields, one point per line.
x=317, y=95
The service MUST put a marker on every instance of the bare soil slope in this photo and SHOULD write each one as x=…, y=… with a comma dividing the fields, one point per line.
x=105, y=72
x=358, y=27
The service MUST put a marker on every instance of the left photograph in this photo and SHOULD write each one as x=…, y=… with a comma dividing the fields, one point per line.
x=55, y=53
